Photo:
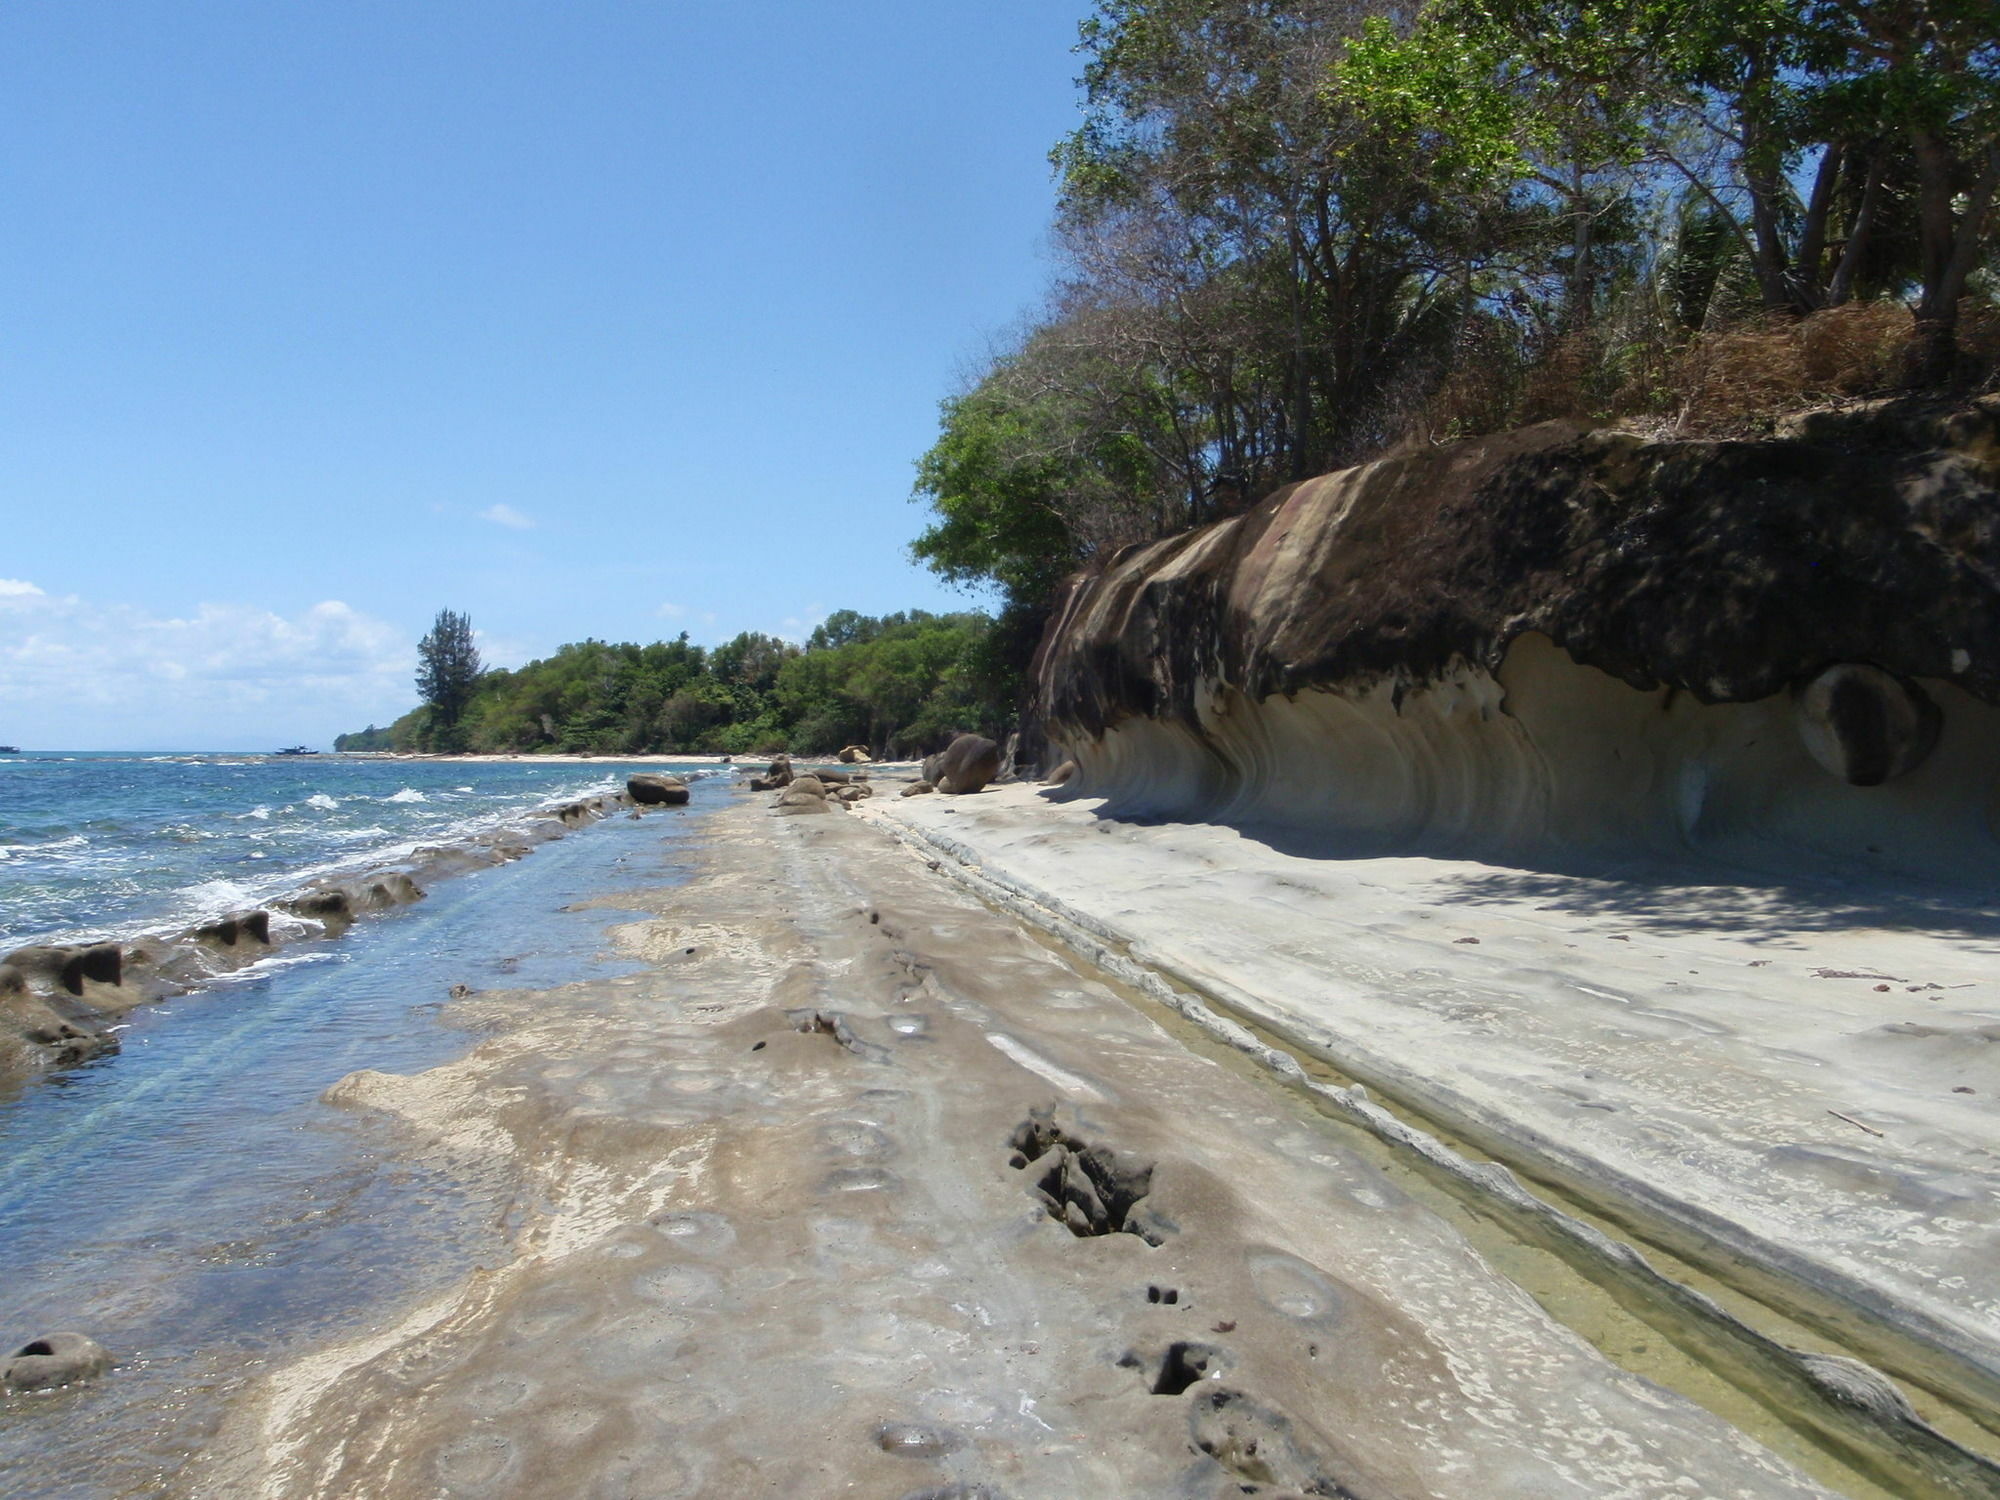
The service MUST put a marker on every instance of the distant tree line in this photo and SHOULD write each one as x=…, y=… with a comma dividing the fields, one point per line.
x=899, y=684
x=1298, y=233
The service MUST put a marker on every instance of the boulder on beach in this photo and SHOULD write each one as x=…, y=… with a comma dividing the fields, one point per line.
x=251, y=928
x=53, y=1360
x=966, y=765
x=68, y=968
x=650, y=789
x=918, y=789
x=779, y=773
x=330, y=907
x=1061, y=773
x=805, y=795
x=854, y=755
x=337, y=902
x=46, y=1031
x=579, y=814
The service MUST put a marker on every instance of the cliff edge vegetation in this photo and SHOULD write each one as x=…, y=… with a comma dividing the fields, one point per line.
x=1297, y=236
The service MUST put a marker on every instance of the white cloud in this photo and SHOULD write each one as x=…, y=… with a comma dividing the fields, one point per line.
x=78, y=675
x=18, y=588
x=506, y=515
x=671, y=611
x=796, y=628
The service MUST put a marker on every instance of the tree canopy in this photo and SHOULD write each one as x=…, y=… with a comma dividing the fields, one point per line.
x=448, y=669
x=1297, y=233
x=900, y=683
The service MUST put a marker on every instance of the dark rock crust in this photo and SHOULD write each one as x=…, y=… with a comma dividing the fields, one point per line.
x=1728, y=570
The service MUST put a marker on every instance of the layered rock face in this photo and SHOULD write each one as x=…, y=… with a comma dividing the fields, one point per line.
x=1567, y=636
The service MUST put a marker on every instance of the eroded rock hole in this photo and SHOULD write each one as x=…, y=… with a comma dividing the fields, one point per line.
x=39, y=1346
x=1256, y=1443
x=1163, y=1294
x=1090, y=1189
x=1184, y=1364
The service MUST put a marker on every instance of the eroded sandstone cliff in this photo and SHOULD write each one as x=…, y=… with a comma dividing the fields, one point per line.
x=1568, y=635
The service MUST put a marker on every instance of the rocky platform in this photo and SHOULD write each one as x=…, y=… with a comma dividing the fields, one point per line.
x=860, y=1188
x=1789, y=1087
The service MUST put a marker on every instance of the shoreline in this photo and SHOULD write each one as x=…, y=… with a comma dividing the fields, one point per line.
x=862, y=1186
x=862, y=1173
x=60, y=1001
x=748, y=763
x=470, y=758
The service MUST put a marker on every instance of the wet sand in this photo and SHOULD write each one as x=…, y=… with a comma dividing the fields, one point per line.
x=860, y=1187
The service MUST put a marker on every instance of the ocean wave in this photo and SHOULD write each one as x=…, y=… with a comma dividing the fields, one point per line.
x=217, y=895
x=14, y=851
x=349, y=835
x=250, y=973
x=301, y=851
x=323, y=802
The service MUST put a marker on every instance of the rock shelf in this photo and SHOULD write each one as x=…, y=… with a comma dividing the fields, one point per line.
x=787, y=1222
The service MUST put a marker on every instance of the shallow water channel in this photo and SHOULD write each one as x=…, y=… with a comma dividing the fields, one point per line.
x=193, y=1205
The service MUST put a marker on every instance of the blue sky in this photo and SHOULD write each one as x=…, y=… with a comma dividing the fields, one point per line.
x=594, y=319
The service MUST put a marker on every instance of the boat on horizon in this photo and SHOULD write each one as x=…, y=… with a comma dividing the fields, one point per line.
x=296, y=750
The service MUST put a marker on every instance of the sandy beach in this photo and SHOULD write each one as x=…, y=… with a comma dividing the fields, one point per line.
x=865, y=1184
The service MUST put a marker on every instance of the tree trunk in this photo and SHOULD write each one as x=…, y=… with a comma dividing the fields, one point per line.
x=1808, y=286
x=1577, y=315
x=1952, y=242
x=1763, y=176
x=1841, y=286
x=1302, y=423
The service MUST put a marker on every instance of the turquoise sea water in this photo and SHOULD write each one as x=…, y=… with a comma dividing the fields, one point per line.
x=189, y=1200
x=104, y=845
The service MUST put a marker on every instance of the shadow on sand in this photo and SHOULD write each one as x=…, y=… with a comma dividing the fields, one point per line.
x=1779, y=894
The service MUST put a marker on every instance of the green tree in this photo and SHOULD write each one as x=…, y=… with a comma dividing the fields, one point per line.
x=900, y=680
x=448, y=668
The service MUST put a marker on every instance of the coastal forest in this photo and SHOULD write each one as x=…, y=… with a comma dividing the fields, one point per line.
x=1295, y=235
x=898, y=683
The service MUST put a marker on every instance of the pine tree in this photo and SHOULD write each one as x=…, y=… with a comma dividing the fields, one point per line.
x=448, y=666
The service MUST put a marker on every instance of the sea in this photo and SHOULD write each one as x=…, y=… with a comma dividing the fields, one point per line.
x=107, y=845
x=191, y=1201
